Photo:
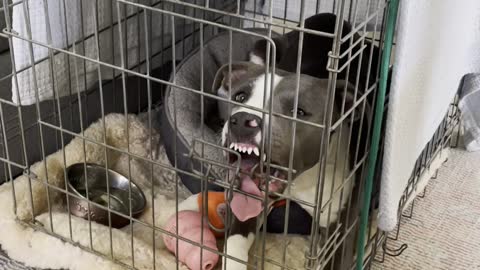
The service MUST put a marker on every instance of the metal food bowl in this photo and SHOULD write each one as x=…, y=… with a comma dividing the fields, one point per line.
x=97, y=192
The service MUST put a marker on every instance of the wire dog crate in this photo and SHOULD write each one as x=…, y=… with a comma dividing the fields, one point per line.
x=125, y=57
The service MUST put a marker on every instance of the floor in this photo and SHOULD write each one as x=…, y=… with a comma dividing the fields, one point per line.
x=444, y=231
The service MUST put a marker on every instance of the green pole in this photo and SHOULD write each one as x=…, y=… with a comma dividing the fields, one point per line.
x=377, y=127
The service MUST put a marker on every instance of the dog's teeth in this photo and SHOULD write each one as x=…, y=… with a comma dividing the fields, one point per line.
x=244, y=150
x=235, y=147
x=232, y=145
x=250, y=150
x=256, y=151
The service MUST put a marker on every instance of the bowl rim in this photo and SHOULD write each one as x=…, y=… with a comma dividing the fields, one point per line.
x=72, y=188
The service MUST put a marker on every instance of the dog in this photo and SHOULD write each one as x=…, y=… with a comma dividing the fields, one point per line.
x=244, y=133
x=246, y=129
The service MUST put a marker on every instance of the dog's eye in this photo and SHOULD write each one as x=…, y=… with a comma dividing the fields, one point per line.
x=240, y=97
x=300, y=112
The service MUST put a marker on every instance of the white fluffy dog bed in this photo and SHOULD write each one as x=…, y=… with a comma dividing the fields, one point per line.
x=38, y=249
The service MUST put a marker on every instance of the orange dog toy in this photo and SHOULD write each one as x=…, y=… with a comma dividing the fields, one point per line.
x=216, y=211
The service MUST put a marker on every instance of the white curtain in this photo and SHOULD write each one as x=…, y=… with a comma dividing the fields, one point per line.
x=437, y=44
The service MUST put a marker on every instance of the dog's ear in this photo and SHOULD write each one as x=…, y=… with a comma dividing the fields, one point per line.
x=259, y=53
x=224, y=77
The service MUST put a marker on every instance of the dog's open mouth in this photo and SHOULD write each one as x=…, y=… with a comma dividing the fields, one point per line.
x=252, y=180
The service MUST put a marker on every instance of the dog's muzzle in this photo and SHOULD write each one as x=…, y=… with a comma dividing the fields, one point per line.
x=244, y=126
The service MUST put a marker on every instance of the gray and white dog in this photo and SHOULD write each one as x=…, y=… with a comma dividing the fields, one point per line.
x=246, y=128
x=246, y=131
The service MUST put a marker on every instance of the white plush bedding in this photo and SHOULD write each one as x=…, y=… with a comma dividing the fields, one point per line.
x=37, y=249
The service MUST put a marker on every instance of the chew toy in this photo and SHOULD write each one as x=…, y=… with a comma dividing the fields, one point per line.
x=190, y=227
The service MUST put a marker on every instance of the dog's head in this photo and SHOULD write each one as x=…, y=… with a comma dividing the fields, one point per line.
x=246, y=130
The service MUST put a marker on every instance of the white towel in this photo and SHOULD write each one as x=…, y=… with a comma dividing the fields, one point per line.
x=68, y=26
x=437, y=43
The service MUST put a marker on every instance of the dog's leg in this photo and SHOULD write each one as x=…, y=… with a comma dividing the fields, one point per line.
x=238, y=243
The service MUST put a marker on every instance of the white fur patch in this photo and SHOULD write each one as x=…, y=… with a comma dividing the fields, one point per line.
x=255, y=100
x=256, y=59
x=258, y=138
x=258, y=93
x=305, y=184
x=190, y=203
x=224, y=133
x=237, y=247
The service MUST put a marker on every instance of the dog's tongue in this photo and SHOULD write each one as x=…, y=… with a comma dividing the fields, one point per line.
x=245, y=207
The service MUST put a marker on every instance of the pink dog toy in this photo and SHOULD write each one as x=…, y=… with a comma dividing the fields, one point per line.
x=190, y=228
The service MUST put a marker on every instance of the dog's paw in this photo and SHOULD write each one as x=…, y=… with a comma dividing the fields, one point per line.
x=238, y=247
x=229, y=264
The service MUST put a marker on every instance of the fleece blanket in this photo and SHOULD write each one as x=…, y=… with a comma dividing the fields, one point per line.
x=437, y=44
x=38, y=249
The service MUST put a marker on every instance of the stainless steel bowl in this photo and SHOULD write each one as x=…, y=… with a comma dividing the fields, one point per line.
x=97, y=192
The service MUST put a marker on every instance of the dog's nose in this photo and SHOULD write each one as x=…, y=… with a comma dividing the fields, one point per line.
x=244, y=124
